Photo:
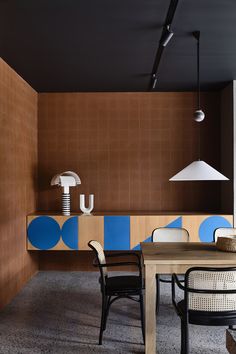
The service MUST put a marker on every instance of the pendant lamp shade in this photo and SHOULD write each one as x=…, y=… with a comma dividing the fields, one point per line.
x=198, y=171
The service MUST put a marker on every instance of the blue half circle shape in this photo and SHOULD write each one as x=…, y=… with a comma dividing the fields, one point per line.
x=209, y=225
x=70, y=233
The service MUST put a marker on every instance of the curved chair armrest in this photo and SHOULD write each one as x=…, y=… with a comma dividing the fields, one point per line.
x=114, y=264
x=211, y=291
x=128, y=253
x=117, y=264
x=125, y=253
x=177, y=281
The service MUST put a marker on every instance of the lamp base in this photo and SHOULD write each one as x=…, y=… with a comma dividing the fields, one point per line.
x=66, y=203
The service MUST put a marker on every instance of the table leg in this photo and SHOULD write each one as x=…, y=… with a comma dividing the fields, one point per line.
x=150, y=309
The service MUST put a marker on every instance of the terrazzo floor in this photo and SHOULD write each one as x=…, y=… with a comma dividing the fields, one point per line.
x=59, y=312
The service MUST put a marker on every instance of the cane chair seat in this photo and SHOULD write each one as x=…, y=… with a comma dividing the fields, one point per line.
x=170, y=234
x=216, y=318
x=224, y=231
x=123, y=284
x=209, y=299
x=167, y=234
x=207, y=280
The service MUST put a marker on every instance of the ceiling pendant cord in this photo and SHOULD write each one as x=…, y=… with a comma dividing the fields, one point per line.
x=198, y=71
x=196, y=35
x=199, y=142
x=198, y=94
x=199, y=115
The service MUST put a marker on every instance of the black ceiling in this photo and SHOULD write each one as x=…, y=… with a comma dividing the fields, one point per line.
x=110, y=45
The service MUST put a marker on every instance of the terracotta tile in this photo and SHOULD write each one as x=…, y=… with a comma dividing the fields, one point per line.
x=138, y=138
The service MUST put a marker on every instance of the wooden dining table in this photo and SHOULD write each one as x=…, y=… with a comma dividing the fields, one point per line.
x=173, y=257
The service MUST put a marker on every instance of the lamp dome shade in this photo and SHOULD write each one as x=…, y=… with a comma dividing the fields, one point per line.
x=198, y=171
x=56, y=179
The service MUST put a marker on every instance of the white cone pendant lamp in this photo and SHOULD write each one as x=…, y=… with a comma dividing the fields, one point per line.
x=198, y=170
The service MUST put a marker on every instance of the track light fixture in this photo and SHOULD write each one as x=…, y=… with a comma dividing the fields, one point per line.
x=154, y=82
x=167, y=36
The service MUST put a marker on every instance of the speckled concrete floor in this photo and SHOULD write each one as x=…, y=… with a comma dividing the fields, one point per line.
x=59, y=312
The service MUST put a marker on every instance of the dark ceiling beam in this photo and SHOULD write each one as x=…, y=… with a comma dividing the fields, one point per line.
x=165, y=37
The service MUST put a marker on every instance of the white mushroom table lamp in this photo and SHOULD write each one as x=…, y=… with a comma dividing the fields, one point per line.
x=66, y=180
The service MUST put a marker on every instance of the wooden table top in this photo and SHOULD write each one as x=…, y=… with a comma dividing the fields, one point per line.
x=185, y=253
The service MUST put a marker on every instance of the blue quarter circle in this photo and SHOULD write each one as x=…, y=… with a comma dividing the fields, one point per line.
x=209, y=225
x=44, y=232
x=69, y=233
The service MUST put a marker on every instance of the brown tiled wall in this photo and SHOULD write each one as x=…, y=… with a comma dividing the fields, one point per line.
x=125, y=147
x=18, y=161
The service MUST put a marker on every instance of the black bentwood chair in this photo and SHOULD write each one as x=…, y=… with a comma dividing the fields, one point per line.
x=117, y=287
x=209, y=299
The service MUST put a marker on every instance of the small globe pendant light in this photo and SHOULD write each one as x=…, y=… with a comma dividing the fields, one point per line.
x=199, y=115
x=198, y=170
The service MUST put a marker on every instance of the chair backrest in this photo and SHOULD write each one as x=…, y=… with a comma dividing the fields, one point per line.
x=200, y=278
x=171, y=234
x=224, y=231
x=100, y=256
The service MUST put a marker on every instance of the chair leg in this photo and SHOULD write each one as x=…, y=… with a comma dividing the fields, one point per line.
x=107, y=308
x=184, y=338
x=158, y=293
x=102, y=318
x=142, y=316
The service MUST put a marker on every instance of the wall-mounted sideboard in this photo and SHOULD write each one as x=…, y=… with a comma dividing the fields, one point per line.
x=114, y=231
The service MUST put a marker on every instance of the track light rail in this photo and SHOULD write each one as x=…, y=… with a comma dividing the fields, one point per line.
x=166, y=36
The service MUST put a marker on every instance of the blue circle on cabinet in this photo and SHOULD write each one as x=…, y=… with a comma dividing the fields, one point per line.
x=44, y=232
x=208, y=226
x=70, y=232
